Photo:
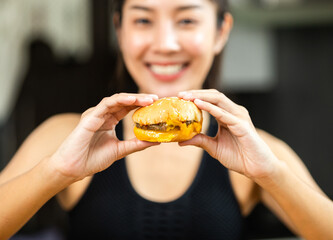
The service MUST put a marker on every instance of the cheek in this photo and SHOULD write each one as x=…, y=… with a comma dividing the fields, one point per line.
x=198, y=44
x=134, y=44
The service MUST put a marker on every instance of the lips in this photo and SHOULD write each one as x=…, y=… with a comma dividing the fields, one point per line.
x=167, y=72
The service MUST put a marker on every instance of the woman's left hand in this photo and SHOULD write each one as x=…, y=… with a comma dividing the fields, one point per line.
x=237, y=145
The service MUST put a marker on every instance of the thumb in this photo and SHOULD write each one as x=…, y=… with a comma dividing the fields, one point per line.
x=203, y=141
x=133, y=145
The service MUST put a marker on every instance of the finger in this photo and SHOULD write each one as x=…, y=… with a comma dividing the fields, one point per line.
x=112, y=119
x=123, y=112
x=133, y=145
x=198, y=91
x=220, y=114
x=95, y=117
x=237, y=126
x=119, y=112
x=202, y=141
x=118, y=101
x=212, y=96
x=142, y=99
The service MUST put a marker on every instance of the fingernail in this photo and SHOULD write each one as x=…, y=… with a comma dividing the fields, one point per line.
x=154, y=96
x=198, y=101
x=150, y=99
x=187, y=95
x=131, y=97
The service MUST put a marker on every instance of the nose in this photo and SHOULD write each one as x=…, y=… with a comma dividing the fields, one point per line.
x=166, y=39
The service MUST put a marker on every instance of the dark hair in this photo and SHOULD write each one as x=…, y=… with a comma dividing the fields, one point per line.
x=124, y=79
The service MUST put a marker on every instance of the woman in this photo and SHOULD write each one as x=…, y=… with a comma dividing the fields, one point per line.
x=167, y=190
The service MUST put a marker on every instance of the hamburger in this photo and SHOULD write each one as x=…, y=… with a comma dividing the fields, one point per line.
x=168, y=119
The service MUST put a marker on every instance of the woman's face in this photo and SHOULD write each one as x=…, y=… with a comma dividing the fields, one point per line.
x=169, y=45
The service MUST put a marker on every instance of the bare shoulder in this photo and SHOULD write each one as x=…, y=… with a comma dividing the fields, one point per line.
x=42, y=142
x=249, y=193
x=285, y=153
x=50, y=134
x=280, y=148
x=271, y=140
x=59, y=124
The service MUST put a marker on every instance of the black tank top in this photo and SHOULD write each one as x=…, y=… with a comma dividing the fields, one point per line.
x=112, y=209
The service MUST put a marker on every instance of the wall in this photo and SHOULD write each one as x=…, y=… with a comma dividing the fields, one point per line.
x=64, y=24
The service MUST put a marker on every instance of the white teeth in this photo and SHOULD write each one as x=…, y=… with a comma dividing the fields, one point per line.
x=166, y=70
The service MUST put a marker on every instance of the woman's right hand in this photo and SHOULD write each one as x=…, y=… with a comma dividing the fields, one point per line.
x=93, y=145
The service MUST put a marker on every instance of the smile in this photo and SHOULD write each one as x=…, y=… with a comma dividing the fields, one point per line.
x=166, y=69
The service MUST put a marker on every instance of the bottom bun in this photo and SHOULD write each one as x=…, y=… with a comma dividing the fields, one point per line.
x=184, y=134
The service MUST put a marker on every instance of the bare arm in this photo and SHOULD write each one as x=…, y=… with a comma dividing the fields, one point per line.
x=310, y=212
x=24, y=195
x=294, y=196
x=26, y=183
x=287, y=187
x=62, y=151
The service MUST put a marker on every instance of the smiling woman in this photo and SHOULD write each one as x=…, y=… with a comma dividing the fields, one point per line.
x=174, y=43
x=115, y=186
x=184, y=29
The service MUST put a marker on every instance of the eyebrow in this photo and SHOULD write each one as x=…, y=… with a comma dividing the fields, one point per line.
x=137, y=7
x=188, y=7
x=179, y=9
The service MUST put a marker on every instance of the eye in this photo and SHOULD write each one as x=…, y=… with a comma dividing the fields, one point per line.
x=142, y=21
x=187, y=21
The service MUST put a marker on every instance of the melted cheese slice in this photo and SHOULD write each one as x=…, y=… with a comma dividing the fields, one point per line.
x=172, y=134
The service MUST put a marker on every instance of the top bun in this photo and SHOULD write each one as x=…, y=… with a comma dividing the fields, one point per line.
x=168, y=108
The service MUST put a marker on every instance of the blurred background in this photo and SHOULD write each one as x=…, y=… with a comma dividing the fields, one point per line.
x=59, y=56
